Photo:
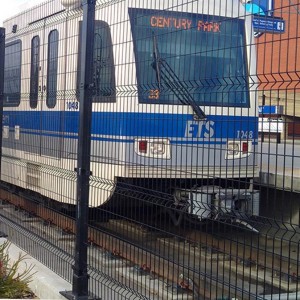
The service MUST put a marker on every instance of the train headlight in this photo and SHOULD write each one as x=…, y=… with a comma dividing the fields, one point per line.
x=233, y=149
x=157, y=148
x=153, y=148
x=238, y=149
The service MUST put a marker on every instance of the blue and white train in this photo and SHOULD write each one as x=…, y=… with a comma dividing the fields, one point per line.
x=174, y=102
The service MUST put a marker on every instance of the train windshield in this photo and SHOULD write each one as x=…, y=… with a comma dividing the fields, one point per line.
x=182, y=53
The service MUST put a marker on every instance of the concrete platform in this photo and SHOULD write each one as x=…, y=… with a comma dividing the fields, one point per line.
x=282, y=179
x=45, y=284
x=279, y=166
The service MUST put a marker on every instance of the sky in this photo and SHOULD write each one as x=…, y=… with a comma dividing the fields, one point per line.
x=13, y=7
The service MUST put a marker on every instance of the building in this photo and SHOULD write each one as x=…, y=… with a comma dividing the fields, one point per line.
x=278, y=70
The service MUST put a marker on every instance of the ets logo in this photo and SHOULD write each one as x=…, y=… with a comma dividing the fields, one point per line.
x=200, y=129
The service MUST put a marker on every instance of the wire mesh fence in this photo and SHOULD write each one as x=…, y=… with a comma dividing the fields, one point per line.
x=150, y=149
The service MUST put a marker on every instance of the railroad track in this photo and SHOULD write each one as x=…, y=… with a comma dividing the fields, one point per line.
x=198, y=266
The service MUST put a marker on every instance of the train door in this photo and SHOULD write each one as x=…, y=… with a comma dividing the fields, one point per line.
x=45, y=104
x=32, y=144
x=52, y=92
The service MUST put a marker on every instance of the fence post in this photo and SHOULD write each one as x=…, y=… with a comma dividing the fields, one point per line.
x=2, y=60
x=80, y=275
x=263, y=104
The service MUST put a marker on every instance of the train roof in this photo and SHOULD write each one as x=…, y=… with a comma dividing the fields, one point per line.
x=33, y=14
x=56, y=8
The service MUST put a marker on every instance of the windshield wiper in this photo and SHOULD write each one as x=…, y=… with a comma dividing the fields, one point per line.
x=173, y=82
x=156, y=61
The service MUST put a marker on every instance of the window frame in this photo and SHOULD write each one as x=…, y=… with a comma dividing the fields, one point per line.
x=151, y=95
x=52, y=77
x=16, y=102
x=99, y=98
x=34, y=72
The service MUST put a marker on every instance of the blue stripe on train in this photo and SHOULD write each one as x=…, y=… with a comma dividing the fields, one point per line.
x=127, y=124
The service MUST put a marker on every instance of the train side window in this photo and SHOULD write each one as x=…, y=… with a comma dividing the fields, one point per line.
x=52, y=68
x=34, y=71
x=12, y=74
x=104, y=69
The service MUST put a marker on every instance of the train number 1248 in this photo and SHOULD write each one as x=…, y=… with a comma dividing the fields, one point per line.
x=241, y=134
x=72, y=105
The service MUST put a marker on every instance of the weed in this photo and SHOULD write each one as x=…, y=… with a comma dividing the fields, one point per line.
x=14, y=284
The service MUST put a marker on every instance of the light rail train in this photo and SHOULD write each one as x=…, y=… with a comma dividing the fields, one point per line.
x=174, y=103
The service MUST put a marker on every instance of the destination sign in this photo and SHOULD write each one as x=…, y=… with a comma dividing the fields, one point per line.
x=182, y=23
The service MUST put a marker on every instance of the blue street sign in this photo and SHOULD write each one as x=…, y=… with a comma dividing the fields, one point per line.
x=268, y=24
x=270, y=109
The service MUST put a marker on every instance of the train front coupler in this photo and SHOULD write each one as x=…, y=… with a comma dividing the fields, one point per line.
x=213, y=202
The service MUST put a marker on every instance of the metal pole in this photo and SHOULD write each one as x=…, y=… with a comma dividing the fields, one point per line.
x=2, y=61
x=263, y=105
x=80, y=276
